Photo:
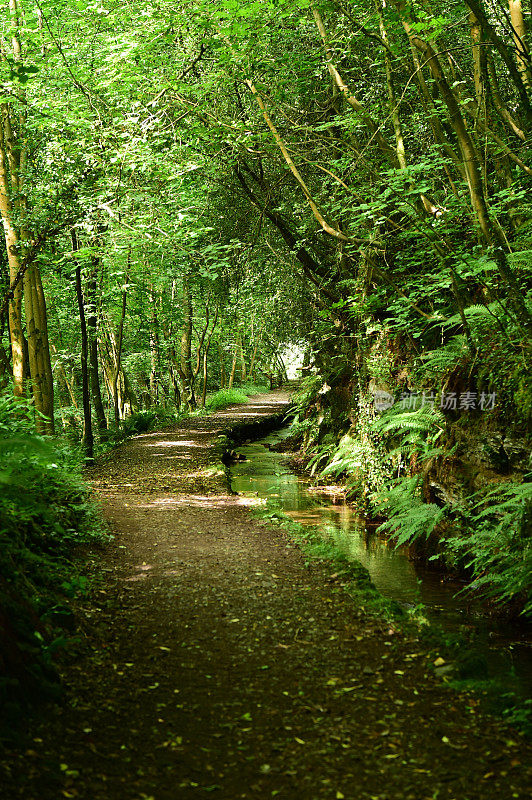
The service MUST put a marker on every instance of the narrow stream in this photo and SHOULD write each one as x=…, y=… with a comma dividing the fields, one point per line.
x=265, y=474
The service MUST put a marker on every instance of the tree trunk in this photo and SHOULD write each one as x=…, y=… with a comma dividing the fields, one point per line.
x=471, y=162
x=233, y=366
x=92, y=326
x=16, y=334
x=117, y=349
x=205, y=354
x=394, y=107
x=221, y=355
x=63, y=381
x=154, y=348
x=88, y=439
x=185, y=366
x=254, y=354
x=243, y=375
x=48, y=388
x=520, y=40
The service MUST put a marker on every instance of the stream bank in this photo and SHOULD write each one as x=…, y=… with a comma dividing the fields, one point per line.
x=215, y=660
x=498, y=650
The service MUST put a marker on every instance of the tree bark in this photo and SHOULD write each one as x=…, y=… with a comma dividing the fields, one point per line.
x=117, y=348
x=205, y=355
x=88, y=438
x=13, y=255
x=185, y=366
x=155, y=366
x=520, y=40
x=92, y=326
x=221, y=355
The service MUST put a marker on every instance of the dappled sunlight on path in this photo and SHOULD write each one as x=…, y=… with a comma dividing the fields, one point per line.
x=220, y=661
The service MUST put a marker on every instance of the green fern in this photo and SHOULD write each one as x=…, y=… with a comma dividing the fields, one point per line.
x=499, y=554
x=346, y=459
x=321, y=455
x=409, y=518
x=477, y=316
x=415, y=432
x=445, y=359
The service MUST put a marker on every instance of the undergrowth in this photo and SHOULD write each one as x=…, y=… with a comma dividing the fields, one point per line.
x=485, y=536
x=227, y=397
x=45, y=515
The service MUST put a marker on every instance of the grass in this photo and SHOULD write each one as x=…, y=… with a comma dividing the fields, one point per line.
x=227, y=397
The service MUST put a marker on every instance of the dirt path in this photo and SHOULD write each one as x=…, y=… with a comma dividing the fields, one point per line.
x=220, y=664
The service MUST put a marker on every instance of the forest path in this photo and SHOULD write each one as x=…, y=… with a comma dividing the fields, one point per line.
x=220, y=664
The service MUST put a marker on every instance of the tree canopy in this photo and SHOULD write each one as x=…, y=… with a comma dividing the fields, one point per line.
x=189, y=188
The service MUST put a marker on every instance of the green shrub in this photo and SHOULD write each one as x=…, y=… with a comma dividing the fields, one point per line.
x=408, y=518
x=489, y=536
x=138, y=422
x=224, y=398
x=494, y=542
x=45, y=513
x=253, y=388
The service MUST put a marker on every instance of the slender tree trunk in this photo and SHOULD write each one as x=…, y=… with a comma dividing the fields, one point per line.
x=476, y=42
x=394, y=108
x=233, y=366
x=221, y=355
x=185, y=366
x=63, y=381
x=92, y=326
x=505, y=52
x=201, y=341
x=174, y=375
x=118, y=348
x=175, y=386
x=34, y=347
x=13, y=255
x=254, y=354
x=13, y=158
x=154, y=347
x=88, y=439
x=48, y=389
x=243, y=375
x=520, y=40
x=205, y=354
x=128, y=394
x=471, y=163
x=39, y=350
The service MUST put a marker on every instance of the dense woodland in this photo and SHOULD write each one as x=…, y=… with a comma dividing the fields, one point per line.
x=189, y=190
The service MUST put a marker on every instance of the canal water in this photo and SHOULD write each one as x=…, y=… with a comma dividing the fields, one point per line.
x=266, y=474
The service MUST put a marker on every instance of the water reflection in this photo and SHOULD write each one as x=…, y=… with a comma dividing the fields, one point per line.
x=265, y=474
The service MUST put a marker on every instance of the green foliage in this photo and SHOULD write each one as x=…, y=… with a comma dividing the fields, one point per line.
x=412, y=432
x=250, y=389
x=438, y=363
x=408, y=517
x=518, y=713
x=45, y=514
x=495, y=544
x=139, y=422
x=307, y=417
x=487, y=537
x=361, y=460
x=224, y=398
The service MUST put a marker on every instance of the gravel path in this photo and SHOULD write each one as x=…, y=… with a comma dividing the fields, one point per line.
x=217, y=662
